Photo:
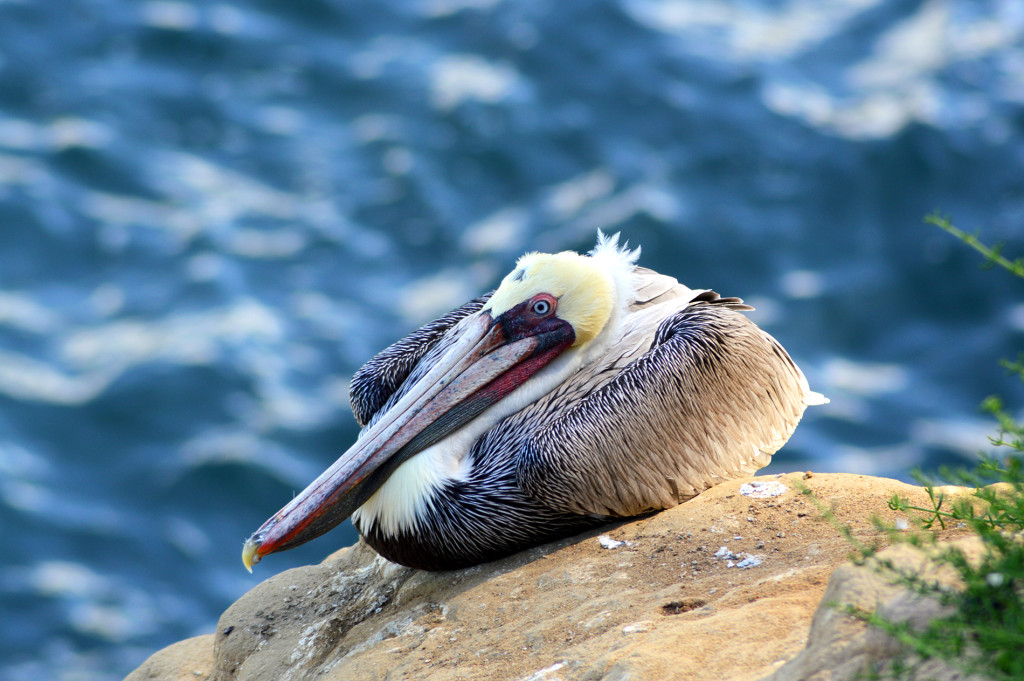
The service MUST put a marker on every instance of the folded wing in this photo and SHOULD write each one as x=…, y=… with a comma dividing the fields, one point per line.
x=693, y=394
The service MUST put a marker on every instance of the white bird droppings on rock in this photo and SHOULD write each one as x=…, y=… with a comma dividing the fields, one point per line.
x=763, y=489
x=750, y=561
x=740, y=560
x=636, y=628
x=609, y=543
x=544, y=673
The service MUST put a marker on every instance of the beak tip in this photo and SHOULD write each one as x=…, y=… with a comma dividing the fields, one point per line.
x=249, y=555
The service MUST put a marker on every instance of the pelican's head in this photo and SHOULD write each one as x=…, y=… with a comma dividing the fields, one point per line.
x=545, y=306
x=567, y=285
x=583, y=290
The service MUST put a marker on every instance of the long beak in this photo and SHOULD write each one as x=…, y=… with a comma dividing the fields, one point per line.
x=483, y=366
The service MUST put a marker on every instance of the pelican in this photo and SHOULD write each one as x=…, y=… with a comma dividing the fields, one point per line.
x=584, y=389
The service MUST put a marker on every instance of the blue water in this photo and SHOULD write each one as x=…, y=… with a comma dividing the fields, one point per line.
x=212, y=212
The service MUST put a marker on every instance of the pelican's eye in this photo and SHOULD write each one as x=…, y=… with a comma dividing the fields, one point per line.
x=543, y=306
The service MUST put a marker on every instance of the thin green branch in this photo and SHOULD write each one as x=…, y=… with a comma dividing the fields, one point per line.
x=992, y=254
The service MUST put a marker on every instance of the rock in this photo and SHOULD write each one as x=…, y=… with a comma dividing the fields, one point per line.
x=841, y=647
x=188, y=660
x=660, y=605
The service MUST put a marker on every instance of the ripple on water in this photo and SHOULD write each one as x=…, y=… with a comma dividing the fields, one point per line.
x=95, y=606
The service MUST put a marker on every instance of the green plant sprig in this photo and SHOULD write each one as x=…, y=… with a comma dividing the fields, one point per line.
x=992, y=253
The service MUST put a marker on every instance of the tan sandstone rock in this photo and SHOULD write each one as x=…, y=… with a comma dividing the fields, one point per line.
x=188, y=660
x=841, y=647
x=721, y=587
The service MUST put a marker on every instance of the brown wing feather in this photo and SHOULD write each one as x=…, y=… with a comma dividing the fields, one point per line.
x=694, y=394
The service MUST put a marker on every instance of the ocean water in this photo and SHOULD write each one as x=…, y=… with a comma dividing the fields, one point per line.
x=211, y=213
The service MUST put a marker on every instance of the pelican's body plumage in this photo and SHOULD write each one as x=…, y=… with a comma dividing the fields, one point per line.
x=584, y=388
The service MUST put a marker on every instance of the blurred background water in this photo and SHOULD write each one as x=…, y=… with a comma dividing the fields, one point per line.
x=211, y=213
